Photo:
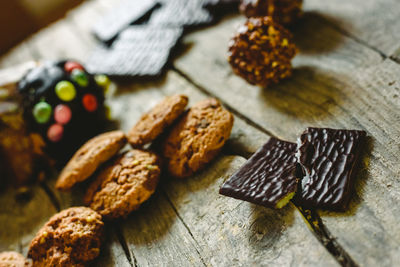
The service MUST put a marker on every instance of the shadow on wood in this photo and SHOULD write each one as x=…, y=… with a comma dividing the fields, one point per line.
x=321, y=37
x=309, y=95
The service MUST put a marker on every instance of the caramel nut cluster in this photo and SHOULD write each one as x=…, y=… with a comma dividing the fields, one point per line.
x=261, y=51
x=282, y=11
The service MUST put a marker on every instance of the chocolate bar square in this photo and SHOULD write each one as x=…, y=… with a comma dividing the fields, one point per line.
x=120, y=17
x=138, y=51
x=328, y=157
x=268, y=178
x=180, y=13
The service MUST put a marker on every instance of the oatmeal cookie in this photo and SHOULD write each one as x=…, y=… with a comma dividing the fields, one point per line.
x=13, y=259
x=197, y=138
x=89, y=157
x=70, y=238
x=153, y=123
x=124, y=184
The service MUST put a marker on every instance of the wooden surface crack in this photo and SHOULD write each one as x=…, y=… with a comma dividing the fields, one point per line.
x=51, y=196
x=128, y=253
x=327, y=240
x=186, y=226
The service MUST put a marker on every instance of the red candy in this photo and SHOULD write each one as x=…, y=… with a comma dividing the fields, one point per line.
x=71, y=65
x=62, y=114
x=55, y=132
x=89, y=102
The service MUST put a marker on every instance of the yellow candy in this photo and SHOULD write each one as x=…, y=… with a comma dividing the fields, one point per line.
x=65, y=91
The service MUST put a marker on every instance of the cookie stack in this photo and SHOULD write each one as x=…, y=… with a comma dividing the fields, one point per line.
x=262, y=49
x=122, y=181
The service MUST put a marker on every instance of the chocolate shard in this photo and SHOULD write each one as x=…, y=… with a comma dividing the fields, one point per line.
x=127, y=12
x=138, y=51
x=268, y=178
x=328, y=157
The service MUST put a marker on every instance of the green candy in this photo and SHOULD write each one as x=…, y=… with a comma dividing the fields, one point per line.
x=80, y=77
x=42, y=112
x=102, y=80
x=65, y=91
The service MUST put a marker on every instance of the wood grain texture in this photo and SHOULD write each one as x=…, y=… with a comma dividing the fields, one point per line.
x=339, y=81
x=22, y=216
x=287, y=246
x=373, y=23
x=336, y=83
x=233, y=232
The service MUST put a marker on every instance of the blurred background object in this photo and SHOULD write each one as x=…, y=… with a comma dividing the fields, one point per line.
x=19, y=18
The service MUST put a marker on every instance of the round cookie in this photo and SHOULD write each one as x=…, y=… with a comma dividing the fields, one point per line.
x=261, y=52
x=197, y=138
x=72, y=237
x=124, y=184
x=13, y=259
x=89, y=157
x=282, y=11
x=152, y=124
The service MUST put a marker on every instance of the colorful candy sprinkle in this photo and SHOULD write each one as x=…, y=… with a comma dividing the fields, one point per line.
x=65, y=90
x=79, y=76
x=89, y=102
x=42, y=112
x=55, y=132
x=71, y=65
x=62, y=114
x=102, y=80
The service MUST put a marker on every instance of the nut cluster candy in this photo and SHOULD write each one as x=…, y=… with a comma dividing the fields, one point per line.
x=63, y=103
x=282, y=11
x=261, y=52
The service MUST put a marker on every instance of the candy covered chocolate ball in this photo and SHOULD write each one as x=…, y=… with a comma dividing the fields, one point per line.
x=261, y=51
x=64, y=104
x=282, y=11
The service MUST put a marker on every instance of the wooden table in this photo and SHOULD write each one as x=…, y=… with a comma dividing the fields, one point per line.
x=345, y=76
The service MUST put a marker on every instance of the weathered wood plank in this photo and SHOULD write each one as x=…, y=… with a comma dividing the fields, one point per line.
x=372, y=22
x=22, y=216
x=156, y=236
x=233, y=232
x=340, y=84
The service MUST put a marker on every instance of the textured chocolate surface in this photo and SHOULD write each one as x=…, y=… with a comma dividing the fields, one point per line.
x=267, y=177
x=138, y=51
x=181, y=13
x=127, y=12
x=328, y=157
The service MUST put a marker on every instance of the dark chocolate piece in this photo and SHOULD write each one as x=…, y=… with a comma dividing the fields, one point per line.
x=138, y=51
x=328, y=157
x=127, y=12
x=268, y=178
x=179, y=13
